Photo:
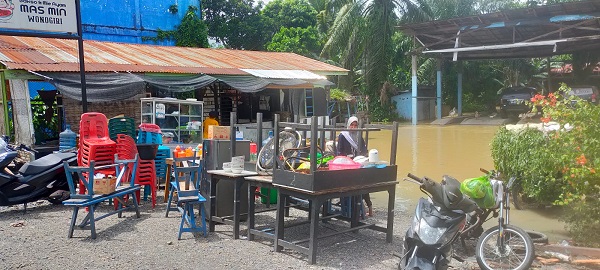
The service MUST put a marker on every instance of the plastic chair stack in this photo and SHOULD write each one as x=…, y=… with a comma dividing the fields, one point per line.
x=160, y=162
x=146, y=172
x=150, y=133
x=121, y=125
x=95, y=143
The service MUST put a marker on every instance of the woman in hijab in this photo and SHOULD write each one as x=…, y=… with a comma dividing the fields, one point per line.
x=352, y=144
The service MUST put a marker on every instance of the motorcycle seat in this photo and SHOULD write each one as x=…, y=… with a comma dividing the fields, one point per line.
x=39, y=165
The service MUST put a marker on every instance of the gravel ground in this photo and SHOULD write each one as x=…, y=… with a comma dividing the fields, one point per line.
x=37, y=239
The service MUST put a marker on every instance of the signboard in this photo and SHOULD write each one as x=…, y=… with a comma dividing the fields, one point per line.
x=160, y=110
x=39, y=15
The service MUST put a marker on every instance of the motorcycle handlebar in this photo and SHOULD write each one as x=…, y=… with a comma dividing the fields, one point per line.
x=484, y=171
x=22, y=146
x=414, y=177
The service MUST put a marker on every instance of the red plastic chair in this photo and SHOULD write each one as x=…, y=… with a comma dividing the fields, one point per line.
x=146, y=171
x=94, y=143
x=93, y=125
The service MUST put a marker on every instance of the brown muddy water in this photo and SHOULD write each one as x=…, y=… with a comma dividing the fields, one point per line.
x=458, y=151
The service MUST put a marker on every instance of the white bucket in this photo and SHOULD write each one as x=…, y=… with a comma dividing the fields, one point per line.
x=373, y=155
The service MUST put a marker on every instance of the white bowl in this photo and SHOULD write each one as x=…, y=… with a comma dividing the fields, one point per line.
x=227, y=166
x=236, y=170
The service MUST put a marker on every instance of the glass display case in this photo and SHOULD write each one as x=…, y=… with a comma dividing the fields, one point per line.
x=183, y=118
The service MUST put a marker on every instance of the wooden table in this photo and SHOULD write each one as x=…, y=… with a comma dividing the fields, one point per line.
x=254, y=182
x=214, y=176
x=316, y=200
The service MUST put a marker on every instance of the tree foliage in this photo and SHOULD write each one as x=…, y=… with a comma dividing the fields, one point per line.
x=235, y=24
x=289, y=14
x=191, y=32
x=303, y=41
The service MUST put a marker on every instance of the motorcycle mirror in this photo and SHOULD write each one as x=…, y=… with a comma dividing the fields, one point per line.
x=27, y=148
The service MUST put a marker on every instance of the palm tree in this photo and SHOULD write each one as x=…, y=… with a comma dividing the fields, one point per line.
x=360, y=38
x=360, y=35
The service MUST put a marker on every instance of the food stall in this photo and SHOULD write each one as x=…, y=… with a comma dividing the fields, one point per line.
x=318, y=185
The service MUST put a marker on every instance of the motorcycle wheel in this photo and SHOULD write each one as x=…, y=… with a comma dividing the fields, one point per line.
x=404, y=261
x=518, y=252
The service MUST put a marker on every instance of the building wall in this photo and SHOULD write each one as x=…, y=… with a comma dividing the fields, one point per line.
x=129, y=107
x=425, y=107
x=129, y=20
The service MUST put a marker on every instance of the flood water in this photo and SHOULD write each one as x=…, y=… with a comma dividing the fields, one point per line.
x=458, y=151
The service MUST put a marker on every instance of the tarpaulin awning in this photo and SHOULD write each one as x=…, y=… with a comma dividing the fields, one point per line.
x=176, y=82
x=252, y=84
x=109, y=86
x=100, y=87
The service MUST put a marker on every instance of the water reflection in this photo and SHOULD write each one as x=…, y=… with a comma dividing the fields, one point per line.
x=458, y=151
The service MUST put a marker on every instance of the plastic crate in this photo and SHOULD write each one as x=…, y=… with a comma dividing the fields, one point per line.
x=150, y=128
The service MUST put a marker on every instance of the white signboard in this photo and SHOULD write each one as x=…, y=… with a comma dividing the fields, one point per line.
x=39, y=15
x=160, y=110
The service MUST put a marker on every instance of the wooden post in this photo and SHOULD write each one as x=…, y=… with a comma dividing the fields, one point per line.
x=23, y=119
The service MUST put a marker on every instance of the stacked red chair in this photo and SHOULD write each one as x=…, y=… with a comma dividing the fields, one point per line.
x=146, y=171
x=95, y=143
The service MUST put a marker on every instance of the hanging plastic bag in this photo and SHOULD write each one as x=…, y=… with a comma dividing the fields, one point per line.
x=479, y=190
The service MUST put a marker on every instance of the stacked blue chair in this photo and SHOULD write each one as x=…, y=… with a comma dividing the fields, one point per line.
x=163, y=153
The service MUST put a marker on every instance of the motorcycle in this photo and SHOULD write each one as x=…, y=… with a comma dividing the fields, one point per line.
x=24, y=182
x=504, y=246
x=436, y=225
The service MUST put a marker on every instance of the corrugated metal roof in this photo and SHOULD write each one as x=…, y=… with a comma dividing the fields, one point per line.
x=562, y=28
x=285, y=74
x=61, y=55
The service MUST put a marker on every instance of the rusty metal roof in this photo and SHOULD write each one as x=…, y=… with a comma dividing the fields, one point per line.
x=540, y=31
x=61, y=55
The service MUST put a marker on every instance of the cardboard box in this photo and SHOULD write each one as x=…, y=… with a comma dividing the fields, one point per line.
x=218, y=132
x=105, y=185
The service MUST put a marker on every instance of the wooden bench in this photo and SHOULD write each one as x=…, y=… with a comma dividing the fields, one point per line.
x=125, y=172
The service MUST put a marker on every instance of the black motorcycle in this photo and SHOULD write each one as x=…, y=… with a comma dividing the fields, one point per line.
x=436, y=225
x=24, y=182
x=450, y=215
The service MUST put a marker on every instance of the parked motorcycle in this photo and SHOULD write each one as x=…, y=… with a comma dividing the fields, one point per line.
x=449, y=215
x=503, y=246
x=24, y=182
x=436, y=225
